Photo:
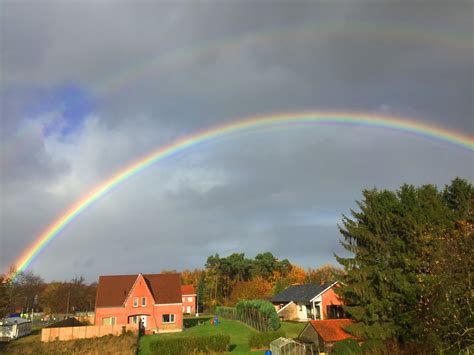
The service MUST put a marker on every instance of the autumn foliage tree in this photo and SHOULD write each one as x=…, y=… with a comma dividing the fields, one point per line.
x=256, y=288
x=323, y=274
x=222, y=274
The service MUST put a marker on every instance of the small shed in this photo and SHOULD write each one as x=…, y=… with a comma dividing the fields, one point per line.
x=284, y=346
x=14, y=327
x=322, y=334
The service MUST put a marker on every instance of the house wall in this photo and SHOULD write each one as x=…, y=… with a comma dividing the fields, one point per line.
x=309, y=335
x=153, y=312
x=289, y=313
x=329, y=298
x=187, y=303
x=302, y=312
x=175, y=309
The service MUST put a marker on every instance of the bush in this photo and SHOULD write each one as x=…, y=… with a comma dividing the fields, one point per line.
x=260, y=340
x=346, y=347
x=265, y=308
x=227, y=312
x=192, y=322
x=190, y=344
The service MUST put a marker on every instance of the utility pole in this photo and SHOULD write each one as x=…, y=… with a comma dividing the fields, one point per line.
x=67, y=309
x=197, y=303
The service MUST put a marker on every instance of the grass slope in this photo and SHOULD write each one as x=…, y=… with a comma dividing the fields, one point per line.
x=239, y=334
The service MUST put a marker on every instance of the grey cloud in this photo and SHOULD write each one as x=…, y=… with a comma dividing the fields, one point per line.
x=161, y=70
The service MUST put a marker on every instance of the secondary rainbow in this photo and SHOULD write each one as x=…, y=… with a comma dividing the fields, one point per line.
x=253, y=123
x=174, y=59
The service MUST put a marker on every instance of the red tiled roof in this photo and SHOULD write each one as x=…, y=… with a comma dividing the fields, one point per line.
x=187, y=290
x=113, y=290
x=332, y=329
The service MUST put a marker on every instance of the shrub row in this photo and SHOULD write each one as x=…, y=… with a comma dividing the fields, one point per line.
x=227, y=312
x=261, y=340
x=190, y=344
x=265, y=308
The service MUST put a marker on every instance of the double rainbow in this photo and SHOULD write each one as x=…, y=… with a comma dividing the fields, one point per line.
x=248, y=124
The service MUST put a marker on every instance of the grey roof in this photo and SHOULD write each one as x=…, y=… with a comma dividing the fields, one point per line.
x=300, y=293
x=13, y=320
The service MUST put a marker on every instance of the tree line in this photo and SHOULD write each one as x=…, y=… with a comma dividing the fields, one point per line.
x=28, y=292
x=224, y=281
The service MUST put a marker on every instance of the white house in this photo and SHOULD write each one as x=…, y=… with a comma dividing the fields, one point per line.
x=310, y=301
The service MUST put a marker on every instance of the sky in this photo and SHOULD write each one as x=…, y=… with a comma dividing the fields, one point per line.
x=88, y=87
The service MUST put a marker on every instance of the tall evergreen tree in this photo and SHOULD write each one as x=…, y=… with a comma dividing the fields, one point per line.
x=393, y=238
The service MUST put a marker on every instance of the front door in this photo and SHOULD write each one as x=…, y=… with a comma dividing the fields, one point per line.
x=188, y=309
x=143, y=318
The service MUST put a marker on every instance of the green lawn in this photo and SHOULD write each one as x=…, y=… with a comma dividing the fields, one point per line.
x=292, y=329
x=238, y=332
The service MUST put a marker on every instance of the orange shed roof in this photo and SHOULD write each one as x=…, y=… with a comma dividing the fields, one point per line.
x=332, y=329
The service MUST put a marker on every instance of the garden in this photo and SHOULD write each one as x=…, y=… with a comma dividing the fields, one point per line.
x=239, y=334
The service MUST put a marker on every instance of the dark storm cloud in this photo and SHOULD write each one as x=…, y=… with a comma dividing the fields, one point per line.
x=158, y=70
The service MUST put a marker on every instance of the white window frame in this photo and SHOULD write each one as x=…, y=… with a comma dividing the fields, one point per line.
x=135, y=302
x=112, y=320
x=190, y=299
x=184, y=299
x=171, y=316
x=143, y=303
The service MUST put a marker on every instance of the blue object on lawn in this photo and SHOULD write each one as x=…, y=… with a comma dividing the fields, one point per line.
x=268, y=352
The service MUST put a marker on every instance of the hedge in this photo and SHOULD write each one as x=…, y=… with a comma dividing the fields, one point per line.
x=265, y=308
x=260, y=340
x=190, y=344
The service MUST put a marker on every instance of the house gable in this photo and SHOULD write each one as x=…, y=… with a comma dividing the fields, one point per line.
x=309, y=335
x=328, y=287
x=139, y=291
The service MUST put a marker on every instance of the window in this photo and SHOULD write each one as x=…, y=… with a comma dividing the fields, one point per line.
x=108, y=321
x=184, y=299
x=301, y=308
x=168, y=318
x=183, y=309
x=134, y=319
x=135, y=301
x=335, y=312
x=143, y=301
x=190, y=299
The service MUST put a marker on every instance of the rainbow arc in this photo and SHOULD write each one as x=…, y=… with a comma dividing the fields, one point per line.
x=402, y=125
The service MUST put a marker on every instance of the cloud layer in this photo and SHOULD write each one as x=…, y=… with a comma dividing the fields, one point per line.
x=89, y=87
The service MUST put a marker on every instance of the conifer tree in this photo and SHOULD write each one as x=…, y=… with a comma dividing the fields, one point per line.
x=395, y=241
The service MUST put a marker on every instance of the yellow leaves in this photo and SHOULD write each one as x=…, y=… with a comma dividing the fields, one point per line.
x=257, y=288
x=297, y=275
